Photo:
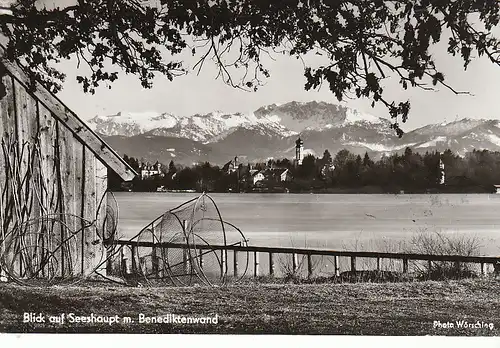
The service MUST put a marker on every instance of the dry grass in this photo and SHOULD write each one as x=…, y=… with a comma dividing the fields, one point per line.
x=358, y=309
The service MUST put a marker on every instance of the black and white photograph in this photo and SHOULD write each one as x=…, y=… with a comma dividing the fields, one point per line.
x=250, y=167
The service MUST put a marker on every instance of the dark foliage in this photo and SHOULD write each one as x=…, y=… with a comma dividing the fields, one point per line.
x=411, y=172
x=362, y=42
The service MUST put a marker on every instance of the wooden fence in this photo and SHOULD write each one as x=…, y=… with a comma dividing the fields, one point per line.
x=307, y=254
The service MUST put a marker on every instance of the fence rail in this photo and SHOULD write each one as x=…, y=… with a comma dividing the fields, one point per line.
x=308, y=253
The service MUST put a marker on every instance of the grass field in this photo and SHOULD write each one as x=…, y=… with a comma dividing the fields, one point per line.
x=358, y=309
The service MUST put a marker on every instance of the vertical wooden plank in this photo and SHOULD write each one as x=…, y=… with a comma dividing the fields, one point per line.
x=294, y=263
x=123, y=265
x=27, y=129
x=235, y=263
x=78, y=189
x=6, y=117
x=271, y=265
x=223, y=263
x=90, y=204
x=142, y=266
x=2, y=184
x=48, y=173
x=185, y=255
x=309, y=266
x=126, y=266
x=3, y=110
x=8, y=108
x=353, y=264
x=133, y=256
x=8, y=128
x=256, y=264
x=49, y=185
x=109, y=259
x=405, y=265
x=200, y=255
x=26, y=123
x=336, y=265
x=155, y=264
x=185, y=261
x=27, y=118
x=101, y=182
x=378, y=263
x=69, y=197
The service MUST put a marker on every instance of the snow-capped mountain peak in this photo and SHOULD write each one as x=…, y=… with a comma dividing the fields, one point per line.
x=271, y=131
x=283, y=119
x=129, y=123
x=353, y=116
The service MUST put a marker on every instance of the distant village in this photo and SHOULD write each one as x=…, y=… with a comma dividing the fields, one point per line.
x=346, y=172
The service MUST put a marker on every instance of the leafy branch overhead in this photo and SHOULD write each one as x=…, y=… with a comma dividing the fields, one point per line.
x=362, y=42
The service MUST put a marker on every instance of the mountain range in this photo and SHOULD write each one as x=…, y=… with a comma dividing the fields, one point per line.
x=271, y=132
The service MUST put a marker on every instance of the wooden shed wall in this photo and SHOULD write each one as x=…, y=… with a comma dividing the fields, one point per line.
x=71, y=180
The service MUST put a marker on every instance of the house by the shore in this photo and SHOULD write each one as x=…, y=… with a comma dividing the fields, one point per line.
x=275, y=174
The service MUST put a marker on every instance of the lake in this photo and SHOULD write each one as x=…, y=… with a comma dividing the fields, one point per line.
x=375, y=222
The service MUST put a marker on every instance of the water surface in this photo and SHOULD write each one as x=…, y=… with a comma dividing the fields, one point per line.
x=335, y=221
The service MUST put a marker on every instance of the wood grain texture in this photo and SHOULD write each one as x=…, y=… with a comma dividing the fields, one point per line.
x=4, y=116
x=48, y=133
x=8, y=120
x=67, y=194
x=69, y=165
x=50, y=170
x=78, y=177
x=102, y=150
x=8, y=108
x=27, y=143
x=101, y=204
x=89, y=211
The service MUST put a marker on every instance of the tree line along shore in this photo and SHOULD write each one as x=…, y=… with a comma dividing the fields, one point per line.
x=408, y=172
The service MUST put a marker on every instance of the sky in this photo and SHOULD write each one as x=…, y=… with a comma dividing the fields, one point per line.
x=191, y=94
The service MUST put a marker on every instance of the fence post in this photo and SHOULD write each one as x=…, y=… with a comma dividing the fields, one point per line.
x=429, y=265
x=223, y=262
x=185, y=257
x=154, y=262
x=336, y=265
x=405, y=265
x=353, y=264
x=482, y=268
x=123, y=261
x=235, y=263
x=201, y=259
x=378, y=263
x=255, y=263
x=185, y=261
x=294, y=263
x=271, y=264
x=142, y=266
x=109, y=262
x=309, y=266
x=126, y=265
x=133, y=255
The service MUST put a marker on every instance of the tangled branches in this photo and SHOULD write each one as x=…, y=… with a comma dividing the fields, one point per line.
x=362, y=42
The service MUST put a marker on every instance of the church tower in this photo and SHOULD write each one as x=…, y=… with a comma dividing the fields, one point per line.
x=299, y=151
